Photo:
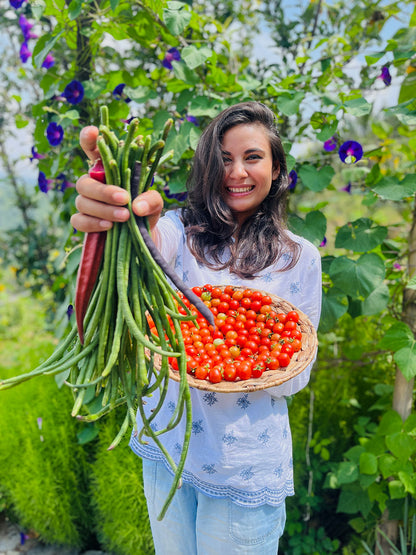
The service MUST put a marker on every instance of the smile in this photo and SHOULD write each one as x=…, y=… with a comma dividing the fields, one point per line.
x=237, y=190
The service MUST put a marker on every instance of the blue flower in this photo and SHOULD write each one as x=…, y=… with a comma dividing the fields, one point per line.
x=36, y=155
x=74, y=92
x=180, y=197
x=48, y=62
x=26, y=27
x=69, y=311
x=347, y=188
x=16, y=4
x=24, y=53
x=385, y=76
x=193, y=120
x=44, y=183
x=172, y=54
x=350, y=152
x=331, y=144
x=54, y=134
x=293, y=179
x=62, y=183
x=119, y=94
x=323, y=243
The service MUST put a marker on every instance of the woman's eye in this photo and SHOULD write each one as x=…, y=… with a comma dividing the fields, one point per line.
x=254, y=157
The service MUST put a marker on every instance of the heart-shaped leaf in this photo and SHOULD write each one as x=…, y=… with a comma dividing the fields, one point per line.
x=316, y=179
x=362, y=235
x=357, y=278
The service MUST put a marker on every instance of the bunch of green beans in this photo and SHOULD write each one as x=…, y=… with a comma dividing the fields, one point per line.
x=120, y=362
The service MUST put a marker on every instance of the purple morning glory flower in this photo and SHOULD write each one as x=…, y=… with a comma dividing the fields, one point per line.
x=331, y=144
x=347, y=188
x=44, y=183
x=48, y=62
x=69, y=311
x=172, y=54
x=62, y=183
x=119, y=94
x=54, y=134
x=293, y=179
x=24, y=53
x=36, y=155
x=397, y=266
x=74, y=92
x=323, y=243
x=350, y=152
x=193, y=120
x=180, y=197
x=385, y=76
x=16, y=4
x=26, y=27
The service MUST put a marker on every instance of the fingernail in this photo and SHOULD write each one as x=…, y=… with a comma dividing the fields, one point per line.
x=105, y=224
x=121, y=198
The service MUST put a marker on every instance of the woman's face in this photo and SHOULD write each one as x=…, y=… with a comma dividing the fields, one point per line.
x=249, y=169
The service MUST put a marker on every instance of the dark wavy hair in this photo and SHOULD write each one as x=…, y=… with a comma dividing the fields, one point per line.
x=209, y=223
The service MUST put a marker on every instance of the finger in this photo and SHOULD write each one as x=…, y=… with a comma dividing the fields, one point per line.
x=101, y=210
x=148, y=204
x=108, y=194
x=88, y=141
x=88, y=224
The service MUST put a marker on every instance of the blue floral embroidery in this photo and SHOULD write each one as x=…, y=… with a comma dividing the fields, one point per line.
x=247, y=473
x=264, y=437
x=295, y=287
x=209, y=468
x=197, y=427
x=171, y=406
x=286, y=257
x=285, y=433
x=178, y=448
x=243, y=401
x=154, y=426
x=278, y=471
x=210, y=398
x=185, y=276
x=229, y=439
x=268, y=277
x=272, y=401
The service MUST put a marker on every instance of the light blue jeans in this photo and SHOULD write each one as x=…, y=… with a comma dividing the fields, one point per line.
x=196, y=524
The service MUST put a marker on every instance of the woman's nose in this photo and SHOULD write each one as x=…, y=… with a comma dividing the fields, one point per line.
x=237, y=170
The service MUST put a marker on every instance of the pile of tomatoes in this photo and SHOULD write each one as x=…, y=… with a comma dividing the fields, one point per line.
x=249, y=338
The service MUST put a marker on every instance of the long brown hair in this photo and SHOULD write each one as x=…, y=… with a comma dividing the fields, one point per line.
x=209, y=223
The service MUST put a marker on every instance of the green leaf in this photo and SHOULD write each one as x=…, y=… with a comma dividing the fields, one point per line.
x=409, y=482
x=401, y=445
x=88, y=434
x=362, y=235
x=357, y=277
x=140, y=94
x=288, y=103
x=398, y=336
x=347, y=472
x=75, y=8
x=391, y=466
x=316, y=179
x=43, y=46
x=114, y=4
x=390, y=188
x=183, y=73
x=368, y=463
x=313, y=227
x=334, y=305
x=408, y=87
x=377, y=301
x=358, y=107
x=20, y=121
x=194, y=57
x=390, y=423
x=204, y=106
x=354, y=499
x=176, y=16
x=396, y=489
x=406, y=361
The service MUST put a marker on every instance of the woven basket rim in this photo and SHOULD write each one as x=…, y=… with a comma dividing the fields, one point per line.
x=269, y=378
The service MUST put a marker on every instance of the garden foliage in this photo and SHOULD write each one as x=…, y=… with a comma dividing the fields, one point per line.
x=341, y=79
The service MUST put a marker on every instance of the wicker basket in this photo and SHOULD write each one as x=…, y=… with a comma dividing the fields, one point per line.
x=269, y=378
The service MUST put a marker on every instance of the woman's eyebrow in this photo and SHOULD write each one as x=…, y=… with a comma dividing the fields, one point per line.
x=248, y=151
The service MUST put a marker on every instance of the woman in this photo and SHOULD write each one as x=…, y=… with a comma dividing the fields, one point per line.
x=232, y=230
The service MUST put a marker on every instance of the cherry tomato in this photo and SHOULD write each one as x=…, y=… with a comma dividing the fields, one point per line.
x=197, y=291
x=201, y=372
x=288, y=349
x=266, y=300
x=292, y=315
x=284, y=359
x=290, y=325
x=215, y=375
x=273, y=363
x=230, y=373
x=244, y=371
x=297, y=345
x=258, y=369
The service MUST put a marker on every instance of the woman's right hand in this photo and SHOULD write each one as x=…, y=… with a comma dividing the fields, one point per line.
x=99, y=205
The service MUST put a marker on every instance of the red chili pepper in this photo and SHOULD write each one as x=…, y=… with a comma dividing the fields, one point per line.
x=89, y=266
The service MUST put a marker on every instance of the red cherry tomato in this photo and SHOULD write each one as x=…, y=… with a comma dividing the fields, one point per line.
x=284, y=359
x=215, y=374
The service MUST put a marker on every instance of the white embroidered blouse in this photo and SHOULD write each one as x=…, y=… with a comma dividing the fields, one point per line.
x=241, y=445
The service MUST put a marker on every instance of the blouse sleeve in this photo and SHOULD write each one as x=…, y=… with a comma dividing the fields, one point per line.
x=311, y=306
